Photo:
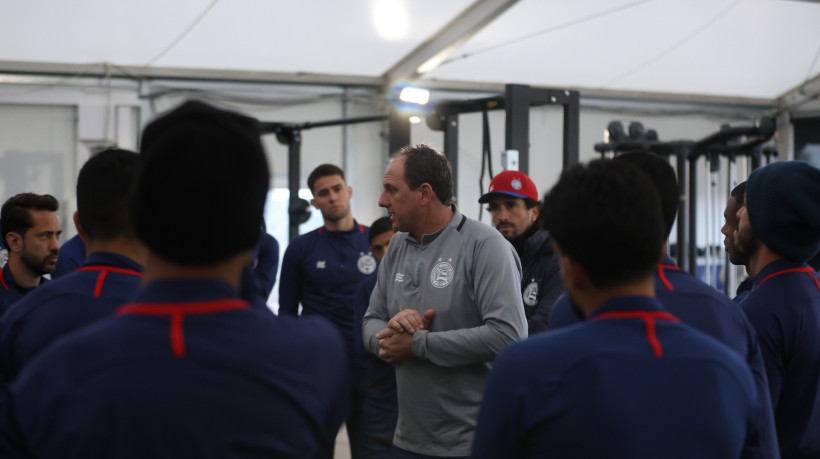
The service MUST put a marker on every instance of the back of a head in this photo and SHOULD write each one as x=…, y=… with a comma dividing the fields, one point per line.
x=104, y=188
x=15, y=213
x=663, y=177
x=425, y=164
x=606, y=216
x=783, y=206
x=201, y=185
x=380, y=226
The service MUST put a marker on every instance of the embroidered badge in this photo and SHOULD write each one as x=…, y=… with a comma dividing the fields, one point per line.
x=516, y=184
x=530, y=295
x=366, y=263
x=399, y=277
x=442, y=274
x=4, y=257
x=321, y=264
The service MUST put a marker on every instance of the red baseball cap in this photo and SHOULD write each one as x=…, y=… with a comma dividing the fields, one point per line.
x=511, y=183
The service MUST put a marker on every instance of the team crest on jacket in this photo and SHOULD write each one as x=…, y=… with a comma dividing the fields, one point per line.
x=4, y=257
x=530, y=295
x=366, y=263
x=442, y=274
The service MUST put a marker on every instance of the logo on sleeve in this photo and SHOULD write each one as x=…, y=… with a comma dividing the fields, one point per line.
x=321, y=264
x=366, y=263
x=442, y=274
x=530, y=295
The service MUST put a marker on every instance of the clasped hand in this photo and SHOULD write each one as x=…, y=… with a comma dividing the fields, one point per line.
x=395, y=341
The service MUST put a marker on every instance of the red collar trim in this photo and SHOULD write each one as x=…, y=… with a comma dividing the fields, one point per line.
x=3, y=281
x=177, y=313
x=104, y=270
x=806, y=270
x=662, y=275
x=648, y=317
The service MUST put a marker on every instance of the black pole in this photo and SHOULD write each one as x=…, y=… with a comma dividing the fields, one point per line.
x=693, y=216
x=451, y=147
x=399, y=128
x=572, y=127
x=683, y=243
x=517, y=109
x=294, y=160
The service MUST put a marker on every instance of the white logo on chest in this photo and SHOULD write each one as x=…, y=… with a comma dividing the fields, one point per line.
x=399, y=277
x=442, y=274
x=321, y=264
x=366, y=263
x=4, y=257
x=530, y=295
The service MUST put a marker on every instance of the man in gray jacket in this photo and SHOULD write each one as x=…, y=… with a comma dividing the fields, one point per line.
x=446, y=302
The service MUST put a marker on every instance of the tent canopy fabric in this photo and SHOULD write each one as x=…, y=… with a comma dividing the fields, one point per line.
x=734, y=48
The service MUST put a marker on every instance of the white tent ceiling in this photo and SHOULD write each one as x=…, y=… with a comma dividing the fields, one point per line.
x=758, y=49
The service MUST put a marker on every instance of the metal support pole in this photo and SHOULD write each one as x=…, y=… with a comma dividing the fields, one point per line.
x=294, y=165
x=451, y=148
x=572, y=128
x=517, y=108
x=693, y=214
x=399, y=128
x=683, y=242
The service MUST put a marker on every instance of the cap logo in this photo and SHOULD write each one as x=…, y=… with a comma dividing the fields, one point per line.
x=516, y=184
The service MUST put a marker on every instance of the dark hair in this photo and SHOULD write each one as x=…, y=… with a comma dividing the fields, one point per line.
x=530, y=203
x=739, y=193
x=104, y=194
x=16, y=215
x=425, y=164
x=324, y=170
x=663, y=176
x=380, y=226
x=606, y=216
x=200, y=162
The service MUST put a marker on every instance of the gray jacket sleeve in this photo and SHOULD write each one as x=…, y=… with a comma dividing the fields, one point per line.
x=496, y=285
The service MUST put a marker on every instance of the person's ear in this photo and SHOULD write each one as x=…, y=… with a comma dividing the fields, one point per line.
x=14, y=242
x=426, y=192
x=536, y=211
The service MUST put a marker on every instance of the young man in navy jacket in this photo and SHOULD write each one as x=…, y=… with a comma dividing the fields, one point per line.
x=188, y=368
x=692, y=301
x=632, y=381
x=109, y=276
x=779, y=230
x=321, y=270
x=733, y=204
x=380, y=410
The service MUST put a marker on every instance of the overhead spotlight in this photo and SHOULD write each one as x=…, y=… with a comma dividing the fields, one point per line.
x=415, y=119
x=414, y=95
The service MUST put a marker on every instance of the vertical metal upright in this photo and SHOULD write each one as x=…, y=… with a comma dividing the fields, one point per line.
x=294, y=165
x=451, y=147
x=517, y=131
x=399, y=131
x=572, y=127
x=693, y=209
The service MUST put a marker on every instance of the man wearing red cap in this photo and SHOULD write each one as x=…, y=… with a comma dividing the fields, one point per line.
x=514, y=206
